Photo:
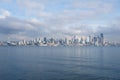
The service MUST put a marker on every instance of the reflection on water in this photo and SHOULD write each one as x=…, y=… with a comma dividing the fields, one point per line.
x=59, y=63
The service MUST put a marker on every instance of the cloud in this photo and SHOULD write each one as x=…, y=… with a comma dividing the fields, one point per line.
x=28, y=29
x=20, y=28
x=31, y=7
x=4, y=13
x=58, y=18
x=5, y=0
x=27, y=4
x=11, y=25
x=99, y=7
x=65, y=11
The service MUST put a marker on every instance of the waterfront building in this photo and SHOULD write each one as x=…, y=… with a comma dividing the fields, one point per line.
x=73, y=41
x=102, y=39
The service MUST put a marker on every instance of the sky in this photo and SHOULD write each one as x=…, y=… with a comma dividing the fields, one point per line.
x=29, y=19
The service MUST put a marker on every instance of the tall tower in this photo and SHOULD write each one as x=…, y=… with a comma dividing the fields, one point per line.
x=102, y=39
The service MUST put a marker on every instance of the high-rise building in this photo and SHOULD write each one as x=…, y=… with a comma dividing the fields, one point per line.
x=102, y=39
x=45, y=40
x=95, y=41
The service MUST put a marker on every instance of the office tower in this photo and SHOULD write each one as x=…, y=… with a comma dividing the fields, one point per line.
x=95, y=41
x=99, y=40
x=51, y=40
x=81, y=40
x=88, y=40
x=91, y=39
x=66, y=41
x=102, y=39
x=75, y=40
x=45, y=40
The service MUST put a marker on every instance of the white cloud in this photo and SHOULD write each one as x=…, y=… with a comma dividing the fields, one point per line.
x=30, y=4
x=34, y=20
x=76, y=17
x=31, y=7
x=4, y=13
x=99, y=7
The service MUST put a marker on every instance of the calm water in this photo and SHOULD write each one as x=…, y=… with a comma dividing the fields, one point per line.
x=59, y=63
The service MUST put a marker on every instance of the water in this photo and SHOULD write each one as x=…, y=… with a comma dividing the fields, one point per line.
x=59, y=63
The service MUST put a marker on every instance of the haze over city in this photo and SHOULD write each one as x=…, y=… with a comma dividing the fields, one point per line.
x=28, y=19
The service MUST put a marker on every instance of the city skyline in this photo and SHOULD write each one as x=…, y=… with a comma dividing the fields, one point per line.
x=91, y=40
x=28, y=19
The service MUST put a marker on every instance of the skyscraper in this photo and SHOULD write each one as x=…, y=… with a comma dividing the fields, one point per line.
x=102, y=39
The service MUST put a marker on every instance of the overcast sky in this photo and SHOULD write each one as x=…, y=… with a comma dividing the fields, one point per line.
x=28, y=19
